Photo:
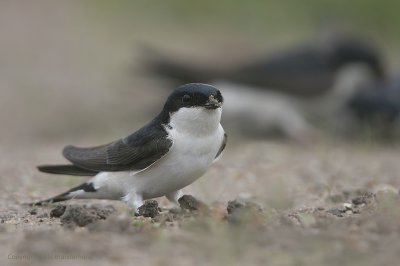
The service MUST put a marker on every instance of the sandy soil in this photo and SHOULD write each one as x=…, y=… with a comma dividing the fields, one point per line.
x=328, y=203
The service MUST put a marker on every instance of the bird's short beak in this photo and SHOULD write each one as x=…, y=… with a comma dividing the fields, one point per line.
x=212, y=103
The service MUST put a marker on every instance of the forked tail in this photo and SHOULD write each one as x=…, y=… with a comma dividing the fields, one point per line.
x=75, y=192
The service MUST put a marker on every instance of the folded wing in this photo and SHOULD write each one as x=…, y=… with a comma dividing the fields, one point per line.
x=118, y=155
x=133, y=153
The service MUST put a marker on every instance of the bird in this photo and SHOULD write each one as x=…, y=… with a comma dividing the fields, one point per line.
x=167, y=154
x=305, y=70
x=378, y=103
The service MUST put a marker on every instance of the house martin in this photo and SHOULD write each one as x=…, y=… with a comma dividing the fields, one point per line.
x=169, y=153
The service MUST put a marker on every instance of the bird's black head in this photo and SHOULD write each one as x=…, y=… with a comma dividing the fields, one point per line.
x=194, y=95
x=351, y=51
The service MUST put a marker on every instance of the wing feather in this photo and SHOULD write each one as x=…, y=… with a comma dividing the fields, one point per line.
x=134, y=152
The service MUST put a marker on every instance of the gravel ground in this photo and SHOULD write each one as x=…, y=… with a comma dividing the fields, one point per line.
x=263, y=203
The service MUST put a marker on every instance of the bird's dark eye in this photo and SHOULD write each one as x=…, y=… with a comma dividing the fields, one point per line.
x=186, y=98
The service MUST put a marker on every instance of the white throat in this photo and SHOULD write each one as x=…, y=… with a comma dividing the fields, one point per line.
x=196, y=120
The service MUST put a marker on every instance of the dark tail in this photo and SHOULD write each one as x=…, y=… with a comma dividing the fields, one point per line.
x=81, y=189
x=67, y=169
x=164, y=66
x=58, y=198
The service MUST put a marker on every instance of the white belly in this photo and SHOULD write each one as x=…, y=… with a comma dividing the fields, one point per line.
x=186, y=162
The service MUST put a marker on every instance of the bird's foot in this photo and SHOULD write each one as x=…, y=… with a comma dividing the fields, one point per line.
x=134, y=200
x=190, y=203
x=174, y=197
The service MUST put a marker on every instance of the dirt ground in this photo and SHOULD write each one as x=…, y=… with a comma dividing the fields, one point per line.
x=327, y=203
x=67, y=79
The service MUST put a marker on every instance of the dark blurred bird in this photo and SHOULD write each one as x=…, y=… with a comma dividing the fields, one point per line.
x=377, y=103
x=289, y=91
x=167, y=154
x=307, y=70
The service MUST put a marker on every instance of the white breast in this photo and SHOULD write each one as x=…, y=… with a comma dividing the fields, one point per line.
x=197, y=136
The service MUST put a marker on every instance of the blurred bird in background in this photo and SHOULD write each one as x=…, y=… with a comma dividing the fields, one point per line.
x=378, y=104
x=304, y=70
x=289, y=91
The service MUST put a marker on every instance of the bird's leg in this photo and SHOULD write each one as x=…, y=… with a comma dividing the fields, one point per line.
x=174, y=196
x=134, y=200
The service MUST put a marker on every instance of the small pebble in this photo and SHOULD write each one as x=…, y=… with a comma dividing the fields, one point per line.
x=348, y=206
x=149, y=209
x=366, y=198
x=58, y=211
x=43, y=215
x=242, y=211
x=238, y=204
x=33, y=211
x=336, y=211
x=188, y=202
x=76, y=215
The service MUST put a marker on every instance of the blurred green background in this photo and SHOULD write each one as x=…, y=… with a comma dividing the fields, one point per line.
x=70, y=69
x=261, y=18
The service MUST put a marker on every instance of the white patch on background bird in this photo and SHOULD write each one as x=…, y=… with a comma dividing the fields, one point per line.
x=260, y=110
x=257, y=111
